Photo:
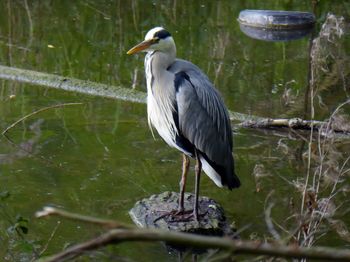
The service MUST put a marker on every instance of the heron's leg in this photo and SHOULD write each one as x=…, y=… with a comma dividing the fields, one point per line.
x=185, y=166
x=198, y=169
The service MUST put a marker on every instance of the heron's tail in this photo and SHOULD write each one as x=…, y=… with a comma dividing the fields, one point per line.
x=232, y=180
x=221, y=175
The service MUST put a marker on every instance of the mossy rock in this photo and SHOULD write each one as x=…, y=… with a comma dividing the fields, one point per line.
x=150, y=213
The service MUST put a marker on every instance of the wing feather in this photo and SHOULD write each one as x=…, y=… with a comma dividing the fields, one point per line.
x=203, y=119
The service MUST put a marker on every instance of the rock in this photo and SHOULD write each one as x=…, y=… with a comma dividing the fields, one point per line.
x=153, y=212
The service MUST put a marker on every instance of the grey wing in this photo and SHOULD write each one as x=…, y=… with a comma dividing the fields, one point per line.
x=208, y=97
x=203, y=120
x=211, y=101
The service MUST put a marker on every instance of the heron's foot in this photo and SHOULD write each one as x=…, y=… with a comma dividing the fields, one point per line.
x=179, y=216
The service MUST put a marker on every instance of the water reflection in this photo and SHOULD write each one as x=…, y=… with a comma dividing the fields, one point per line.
x=275, y=35
x=26, y=148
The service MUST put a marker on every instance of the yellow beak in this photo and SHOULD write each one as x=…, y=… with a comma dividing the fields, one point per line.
x=141, y=46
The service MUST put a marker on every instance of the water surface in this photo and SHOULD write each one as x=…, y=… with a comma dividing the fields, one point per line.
x=99, y=158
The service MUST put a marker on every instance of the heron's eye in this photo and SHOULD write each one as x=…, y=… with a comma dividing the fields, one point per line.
x=162, y=34
x=156, y=40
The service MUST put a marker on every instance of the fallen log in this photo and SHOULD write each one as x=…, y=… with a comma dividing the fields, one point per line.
x=128, y=94
x=71, y=84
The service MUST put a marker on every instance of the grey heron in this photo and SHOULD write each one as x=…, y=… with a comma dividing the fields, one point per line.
x=188, y=113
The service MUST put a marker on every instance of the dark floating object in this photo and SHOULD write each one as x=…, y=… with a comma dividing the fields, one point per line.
x=270, y=25
x=276, y=19
x=149, y=213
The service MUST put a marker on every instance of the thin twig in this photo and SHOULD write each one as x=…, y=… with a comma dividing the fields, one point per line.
x=9, y=14
x=269, y=222
x=30, y=21
x=323, y=150
x=106, y=16
x=134, y=79
x=36, y=112
x=49, y=240
x=51, y=211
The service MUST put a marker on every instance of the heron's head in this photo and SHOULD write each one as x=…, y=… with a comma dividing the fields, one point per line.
x=157, y=39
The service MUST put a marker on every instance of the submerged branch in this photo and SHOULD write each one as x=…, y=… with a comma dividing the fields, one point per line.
x=128, y=94
x=119, y=235
x=71, y=84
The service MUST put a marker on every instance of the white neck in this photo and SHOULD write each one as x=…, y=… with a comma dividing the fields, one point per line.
x=162, y=60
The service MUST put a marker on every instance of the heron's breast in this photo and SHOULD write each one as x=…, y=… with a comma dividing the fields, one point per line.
x=160, y=100
x=160, y=117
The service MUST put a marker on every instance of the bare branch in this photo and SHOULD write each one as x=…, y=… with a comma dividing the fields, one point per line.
x=115, y=236
x=119, y=235
x=48, y=241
